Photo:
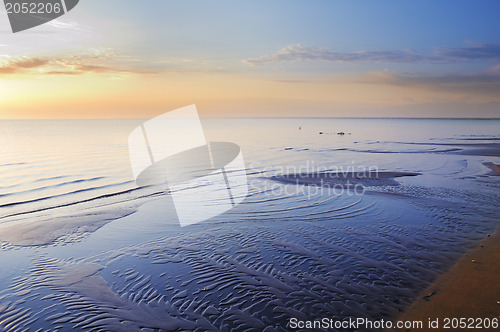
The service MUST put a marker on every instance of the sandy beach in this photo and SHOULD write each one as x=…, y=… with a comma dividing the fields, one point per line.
x=83, y=247
x=468, y=290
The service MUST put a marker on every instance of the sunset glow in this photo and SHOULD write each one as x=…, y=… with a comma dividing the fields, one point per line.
x=296, y=62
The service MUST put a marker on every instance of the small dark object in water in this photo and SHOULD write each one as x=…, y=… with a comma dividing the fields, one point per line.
x=341, y=133
x=428, y=296
x=288, y=148
x=321, y=133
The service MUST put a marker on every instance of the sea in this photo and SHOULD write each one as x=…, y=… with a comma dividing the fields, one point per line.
x=84, y=247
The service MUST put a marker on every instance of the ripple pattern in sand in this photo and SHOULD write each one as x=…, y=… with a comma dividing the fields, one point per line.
x=247, y=276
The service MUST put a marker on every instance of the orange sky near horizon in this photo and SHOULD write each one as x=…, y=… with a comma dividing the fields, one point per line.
x=328, y=60
x=132, y=95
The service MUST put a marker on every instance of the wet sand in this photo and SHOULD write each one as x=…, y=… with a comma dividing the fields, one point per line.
x=347, y=179
x=494, y=168
x=470, y=289
x=46, y=231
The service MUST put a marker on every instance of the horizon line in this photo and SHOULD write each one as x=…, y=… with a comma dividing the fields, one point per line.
x=275, y=117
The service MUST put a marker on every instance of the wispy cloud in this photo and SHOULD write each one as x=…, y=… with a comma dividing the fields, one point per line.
x=297, y=52
x=67, y=25
x=489, y=52
x=96, y=62
x=23, y=64
x=484, y=82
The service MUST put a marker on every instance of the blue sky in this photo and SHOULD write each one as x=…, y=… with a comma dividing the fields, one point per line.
x=331, y=58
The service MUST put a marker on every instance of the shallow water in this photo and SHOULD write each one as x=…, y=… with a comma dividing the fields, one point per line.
x=83, y=247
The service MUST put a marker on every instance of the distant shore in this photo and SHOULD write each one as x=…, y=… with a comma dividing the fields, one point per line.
x=470, y=289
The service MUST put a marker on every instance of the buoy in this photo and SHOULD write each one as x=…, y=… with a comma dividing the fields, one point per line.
x=473, y=261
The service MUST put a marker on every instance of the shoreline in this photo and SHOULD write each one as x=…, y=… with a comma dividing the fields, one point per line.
x=469, y=289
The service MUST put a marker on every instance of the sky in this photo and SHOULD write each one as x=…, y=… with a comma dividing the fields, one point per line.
x=235, y=58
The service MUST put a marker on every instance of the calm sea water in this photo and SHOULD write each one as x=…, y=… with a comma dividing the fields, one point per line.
x=48, y=164
x=281, y=253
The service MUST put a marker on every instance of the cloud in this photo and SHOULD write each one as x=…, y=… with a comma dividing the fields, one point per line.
x=495, y=70
x=67, y=25
x=489, y=52
x=484, y=82
x=94, y=62
x=18, y=65
x=298, y=52
x=97, y=62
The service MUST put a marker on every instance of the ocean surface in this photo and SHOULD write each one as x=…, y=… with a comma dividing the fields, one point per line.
x=83, y=247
